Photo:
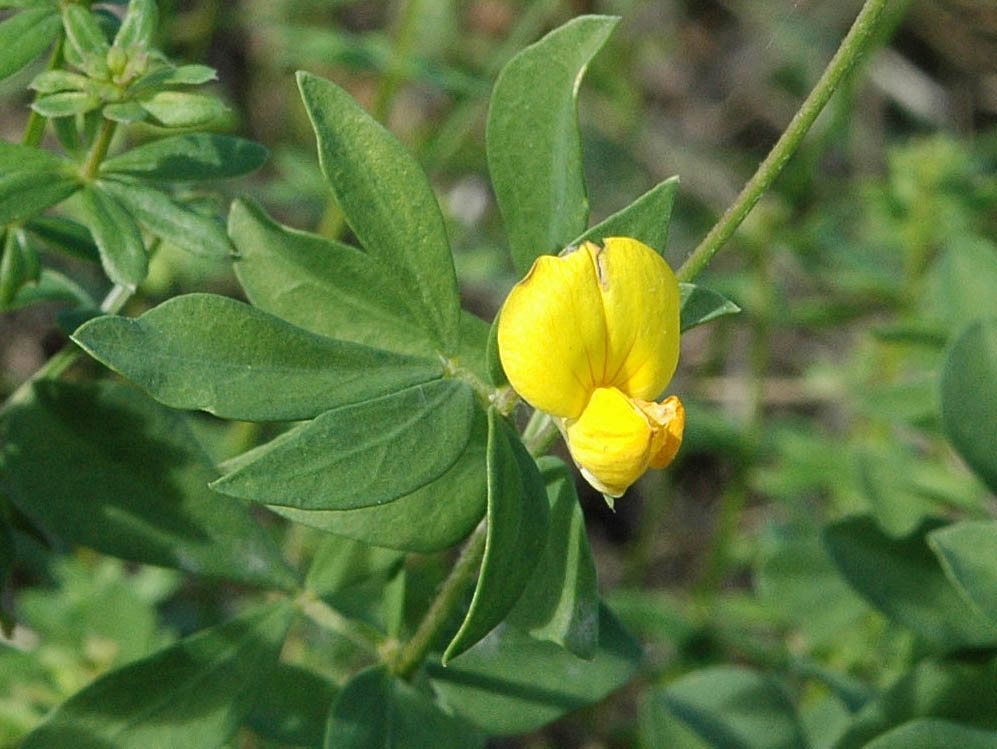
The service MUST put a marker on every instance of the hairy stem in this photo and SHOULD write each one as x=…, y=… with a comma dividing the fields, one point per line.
x=99, y=150
x=858, y=39
x=413, y=652
x=35, y=128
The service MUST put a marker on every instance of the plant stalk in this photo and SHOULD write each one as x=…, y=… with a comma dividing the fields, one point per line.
x=859, y=37
x=365, y=637
x=413, y=652
x=99, y=150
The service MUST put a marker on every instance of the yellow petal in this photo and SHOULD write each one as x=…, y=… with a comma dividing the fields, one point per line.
x=611, y=441
x=552, y=334
x=667, y=420
x=640, y=297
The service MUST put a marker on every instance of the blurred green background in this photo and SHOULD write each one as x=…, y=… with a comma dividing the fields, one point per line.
x=818, y=401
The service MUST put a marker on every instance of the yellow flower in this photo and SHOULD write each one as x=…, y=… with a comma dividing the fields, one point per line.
x=592, y=338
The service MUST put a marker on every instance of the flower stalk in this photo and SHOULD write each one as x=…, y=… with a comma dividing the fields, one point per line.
x=861, y=35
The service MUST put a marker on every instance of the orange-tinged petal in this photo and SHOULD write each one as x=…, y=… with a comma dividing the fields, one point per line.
x=667, y=421
x=640, y=297
x=552, y=334
x=611, y=441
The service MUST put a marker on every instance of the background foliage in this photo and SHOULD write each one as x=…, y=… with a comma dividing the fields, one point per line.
x=816, y=569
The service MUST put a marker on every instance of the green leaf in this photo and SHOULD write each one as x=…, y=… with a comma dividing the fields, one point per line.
x=195, y=693
x=420, y=521
x=959, y=286
x=15, y=157
x=496, y=373
x=105, y=466
x=139, y=24
x=517, y=534
x=15, y=268
x=65, y=235
x=86, y=39
x=388, y=203
x=647, y=219
x=179, y=109
x=732, y=706
x=927, y=733
x=24, y=35
x=968, y=553
x=53, y=81
x=700, y=305
x=324, y=286
x=52, y=286
x=126, y=112
x=958, y=692
x=533, y=142
x=376, y=710
x=903, y=579
x=183, y=75
x=359, y=455
x=156, y=211
x=293, y=707
x=561, y=600
x=122, y=251
x=341, y=563
x=800, y=582
x=201, y=351
x=969, y=398
x=511, y=683
x=195, y=157
x=65, y=104
x=25, y=194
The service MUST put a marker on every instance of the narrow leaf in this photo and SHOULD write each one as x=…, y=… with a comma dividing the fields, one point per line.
x=510, y=683
x=517, y=534
x=157, y=212
x=969, y=398
x=24, y=35
x=145, y=497
x=388, y=203
x=904, y=580
x=647, y=219
x=561, y=601
x=65, y=104
x=25, y=194
x=324, y=286
x=122, y=251
x=363, y=454
x=65, y=235
x=52, y=286
x=699, y=305
x=202, y=351
x=139, y=24
x=86, y=39
x=15, y=157
x=432, y=518
x=189, y=158
x=128, y=111
x=533, y=142
x=195, y=693
x=178, y=109
x=183, y=75
x=378, y=711
x=52, y=81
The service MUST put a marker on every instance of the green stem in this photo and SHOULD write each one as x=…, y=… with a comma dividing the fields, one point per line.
x=365, y=637
x=35, y=128
x=413, y=652
x=67, y=356
x=858, y=39
x=99, y=150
